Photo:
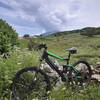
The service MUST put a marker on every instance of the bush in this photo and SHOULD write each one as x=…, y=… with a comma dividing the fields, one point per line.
x=8, y=37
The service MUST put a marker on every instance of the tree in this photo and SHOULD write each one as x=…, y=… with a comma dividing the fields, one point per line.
x=26, y=36
x=8, y=37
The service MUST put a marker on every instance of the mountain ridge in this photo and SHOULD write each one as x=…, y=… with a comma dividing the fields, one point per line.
x=89, y=31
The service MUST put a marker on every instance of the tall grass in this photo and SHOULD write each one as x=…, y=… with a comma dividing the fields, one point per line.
x=88, y=48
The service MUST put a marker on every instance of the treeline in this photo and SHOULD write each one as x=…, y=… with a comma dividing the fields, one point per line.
x=90, y=31
x=8, y=37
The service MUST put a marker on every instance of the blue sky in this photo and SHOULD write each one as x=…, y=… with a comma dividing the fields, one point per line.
x=40, y=16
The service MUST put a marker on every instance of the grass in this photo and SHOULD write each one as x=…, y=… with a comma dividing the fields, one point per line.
x=88, y=48
x=90, y=93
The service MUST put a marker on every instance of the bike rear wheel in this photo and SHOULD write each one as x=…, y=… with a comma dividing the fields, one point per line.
x=30, y=83
x=85, y=72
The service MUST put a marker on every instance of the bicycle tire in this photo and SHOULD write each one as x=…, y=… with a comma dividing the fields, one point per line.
x=85, y=72
x=30, y=86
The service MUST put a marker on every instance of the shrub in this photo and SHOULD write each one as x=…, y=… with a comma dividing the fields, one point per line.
x=8, y=37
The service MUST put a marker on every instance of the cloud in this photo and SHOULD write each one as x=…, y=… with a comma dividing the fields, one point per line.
x=49, y=15
x=46, y=15
x=5, y=6
x=90, y=12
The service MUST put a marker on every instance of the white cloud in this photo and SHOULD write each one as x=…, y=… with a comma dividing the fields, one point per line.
x=50, y=15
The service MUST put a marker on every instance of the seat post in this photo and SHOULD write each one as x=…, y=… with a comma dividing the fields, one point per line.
x=68, y=58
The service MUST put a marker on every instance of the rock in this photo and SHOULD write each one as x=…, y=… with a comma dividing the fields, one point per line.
x=98, y=64
x=81, y=67
x=92, y=68
x=55, y=79
x=96, y=76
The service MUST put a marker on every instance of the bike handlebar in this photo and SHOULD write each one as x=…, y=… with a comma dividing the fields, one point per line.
x=40, y=46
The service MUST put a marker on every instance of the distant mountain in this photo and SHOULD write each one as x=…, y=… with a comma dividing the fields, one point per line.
x=88, y=31
x=49, y=33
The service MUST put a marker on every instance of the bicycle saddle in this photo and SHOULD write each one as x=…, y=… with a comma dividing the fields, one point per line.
x=72, y=50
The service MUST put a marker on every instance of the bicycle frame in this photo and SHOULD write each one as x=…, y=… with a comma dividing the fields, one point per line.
x=58, y=57
x=55, y=56
x=55, y=67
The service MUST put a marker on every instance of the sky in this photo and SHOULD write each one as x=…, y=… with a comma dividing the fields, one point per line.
x=40, y=16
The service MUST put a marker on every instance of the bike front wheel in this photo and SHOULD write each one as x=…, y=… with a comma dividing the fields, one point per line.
x=30, y=83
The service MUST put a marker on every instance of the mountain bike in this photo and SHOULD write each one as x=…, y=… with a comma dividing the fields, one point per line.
x=34, y=82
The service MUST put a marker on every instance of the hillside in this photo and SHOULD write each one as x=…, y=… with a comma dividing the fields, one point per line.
x=87, y=31
x=88, y=49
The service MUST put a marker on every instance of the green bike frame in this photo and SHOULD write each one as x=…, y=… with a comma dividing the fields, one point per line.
x=77, y=73
x=55, y=56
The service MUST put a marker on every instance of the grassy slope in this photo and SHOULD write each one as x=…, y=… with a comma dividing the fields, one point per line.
x=87, y=48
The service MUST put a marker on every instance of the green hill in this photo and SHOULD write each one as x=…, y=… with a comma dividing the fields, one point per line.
x=87, y=31
x=88, y=48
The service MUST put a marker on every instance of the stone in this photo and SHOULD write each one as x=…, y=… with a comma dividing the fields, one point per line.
x=98, y=64
x=96, y=76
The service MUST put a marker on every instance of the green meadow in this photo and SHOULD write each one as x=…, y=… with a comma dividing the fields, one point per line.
x=88, y=48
